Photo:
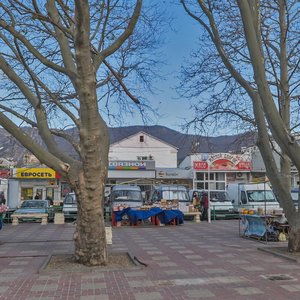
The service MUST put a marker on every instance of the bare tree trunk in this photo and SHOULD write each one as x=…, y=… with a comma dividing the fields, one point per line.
x=90, y=242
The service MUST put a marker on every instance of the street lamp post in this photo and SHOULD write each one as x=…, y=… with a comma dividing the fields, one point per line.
x=208, y=195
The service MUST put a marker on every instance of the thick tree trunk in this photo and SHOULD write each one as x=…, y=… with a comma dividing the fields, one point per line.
x=89, y=236
x=294, y=239
x=90, y=242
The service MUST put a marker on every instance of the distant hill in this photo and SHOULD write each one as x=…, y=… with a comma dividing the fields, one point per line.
x=186, y=143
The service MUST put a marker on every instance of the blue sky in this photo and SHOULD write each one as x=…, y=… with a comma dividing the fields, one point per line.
x=181, y=38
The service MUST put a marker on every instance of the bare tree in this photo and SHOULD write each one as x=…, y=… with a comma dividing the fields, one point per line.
x=60, y=63
x=257, y=45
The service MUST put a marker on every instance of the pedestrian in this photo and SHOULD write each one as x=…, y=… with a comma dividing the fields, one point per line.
x=37, y=196
x=196, y=200
x=204, y=203
x=2, y=198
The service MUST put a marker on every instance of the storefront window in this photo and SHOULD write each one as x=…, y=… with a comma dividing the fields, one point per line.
x=199, y=176
x=200, y=186
x=49, y=193
x=26, y=193
x=210, y=180
x=220, y=176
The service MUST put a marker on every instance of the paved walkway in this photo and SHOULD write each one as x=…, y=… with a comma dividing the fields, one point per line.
x=192, y=261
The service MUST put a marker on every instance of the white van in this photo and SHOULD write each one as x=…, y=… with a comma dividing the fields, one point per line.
x=172, y=192
x=252, y=196
x=126, y=195
x=220, y=202
x=70, y=206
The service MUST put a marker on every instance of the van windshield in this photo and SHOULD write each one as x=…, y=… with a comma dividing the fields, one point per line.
x=219, y=197
x=175, y=195
x=261, y=196
x=70, y=199
x=126, y=195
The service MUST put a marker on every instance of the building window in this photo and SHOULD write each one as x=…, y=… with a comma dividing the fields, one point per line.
x=142, y=157
x=26, y=193
x=209, y=180
x=141, y=138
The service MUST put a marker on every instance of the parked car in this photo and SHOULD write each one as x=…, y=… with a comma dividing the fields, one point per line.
x=35, y=207
x=70, y=206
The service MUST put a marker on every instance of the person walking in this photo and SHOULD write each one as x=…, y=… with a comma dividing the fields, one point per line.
x=2, y=198
x=204, y=203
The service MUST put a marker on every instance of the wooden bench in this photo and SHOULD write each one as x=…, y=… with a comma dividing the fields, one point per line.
x=196, y=215
x=43, y=217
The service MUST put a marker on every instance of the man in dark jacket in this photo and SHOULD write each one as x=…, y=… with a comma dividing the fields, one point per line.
x=2, y=198
x=204, y=203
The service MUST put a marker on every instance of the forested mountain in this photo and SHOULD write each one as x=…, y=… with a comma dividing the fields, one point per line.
x=186, y=143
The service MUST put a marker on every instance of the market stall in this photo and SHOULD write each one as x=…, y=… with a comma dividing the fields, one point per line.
x=269, y=227
x=155, y=216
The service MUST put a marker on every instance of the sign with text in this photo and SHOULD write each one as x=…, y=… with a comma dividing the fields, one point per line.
x=131, y=165
x=35, y=173
x=224, y=162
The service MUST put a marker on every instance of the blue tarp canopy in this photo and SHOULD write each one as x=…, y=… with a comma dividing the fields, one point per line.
x=165, y=215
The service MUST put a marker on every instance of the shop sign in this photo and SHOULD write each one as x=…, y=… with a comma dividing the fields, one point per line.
x=223, y=162
x=127, y=165
x=4, y=173
x=167, y=174
x=32, y=173
x=172, y=174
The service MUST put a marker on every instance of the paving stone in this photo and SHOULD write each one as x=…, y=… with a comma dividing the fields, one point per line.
x=199, y=294
x=194, y=257
x=148, y=296
x=160, y=258
x=11, y=271
x=291, y=287
x=238, y=261
x=19, y=263
x=252, y=268
x=42, y=287
x=215, y=271
x=135, y=274
x=92, y=285
x=154, y=252
x=94, y=297
x=186, y=251
x=92, y=276
x=3, y=289
x=167, y=264
x=183, y=276
x=141, y=283
x=248, y=291
x=176, y=272
x=227, y=255
x=202, y=263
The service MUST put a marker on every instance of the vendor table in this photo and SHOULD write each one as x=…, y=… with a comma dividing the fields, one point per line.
x=156, y=214
x=259, y=226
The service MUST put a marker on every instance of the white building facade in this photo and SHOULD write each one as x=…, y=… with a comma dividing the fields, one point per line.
x=141, y=147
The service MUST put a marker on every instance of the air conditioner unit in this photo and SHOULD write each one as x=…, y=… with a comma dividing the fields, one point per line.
x=240, y=175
